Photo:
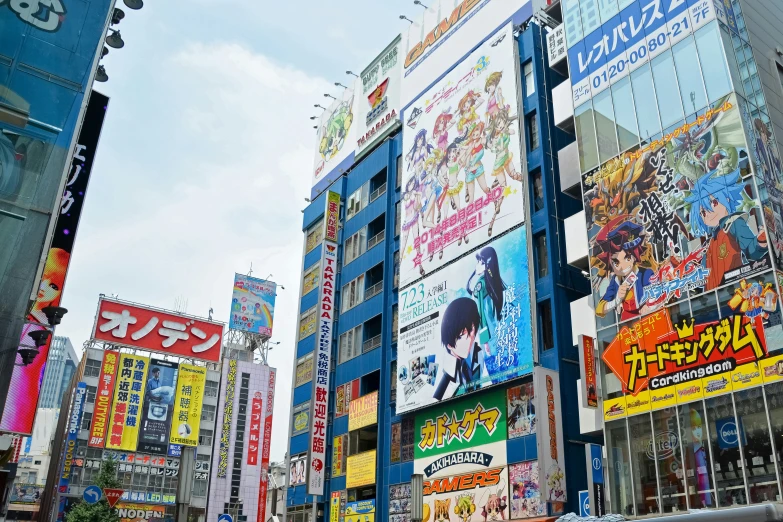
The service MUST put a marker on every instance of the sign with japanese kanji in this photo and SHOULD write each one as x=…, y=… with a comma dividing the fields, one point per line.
x=654, y=353
x=363, y=411
x=158, y=407
x=256, y=419
x=227, y=401
x=378, y=93
x=266, y=445
x=556, y=45
x=323, y=357
x=587, y=371
x=103, y=399
x=113, y=495
x=157, y=330
x=126, y=408
x=361, y=469
x=332, y=216
x=131, y=512
x=186, y=418
x=551, y=454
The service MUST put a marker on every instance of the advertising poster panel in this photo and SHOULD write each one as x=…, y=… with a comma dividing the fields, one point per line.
x=447, y=32
x=297, y=470
x=301, y=414
x=126, y=408
x=361, y=511
x=486, y=295
x=74, y=425
x=316, y=476
x=339, y=452
x=587, y=371
x=256, y=421
x=550, y=439
x=227, y=403
x=334, y=507
x=360, y=469
x=462, y=167
x=400, y=503
x=334, y=150
x=132, y=512
x=147, y=328
x=525, y=490
x=378, y=106
x=521, y=411
x=639, y=33
x=468, y=495
x=188, y=403
x=363, y=411
x=103, y=397
x=158, y=407
x=25, y=387
x=266, y=443
x=467, y=435
x=26, y=493
x=253, y=305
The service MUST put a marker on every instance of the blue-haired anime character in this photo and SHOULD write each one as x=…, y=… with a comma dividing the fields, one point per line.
x=716, y=212
x=419, y=152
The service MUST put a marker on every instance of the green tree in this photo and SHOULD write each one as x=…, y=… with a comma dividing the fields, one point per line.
x=100, y=512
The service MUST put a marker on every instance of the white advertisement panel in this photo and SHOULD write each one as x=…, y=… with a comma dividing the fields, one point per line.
x=462, y=165
x=467, y=327
x=551, y=457
x=334, y=150
x=378, y=101
x=449, y=30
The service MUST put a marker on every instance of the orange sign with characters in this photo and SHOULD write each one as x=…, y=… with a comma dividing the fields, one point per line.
x=653, y=353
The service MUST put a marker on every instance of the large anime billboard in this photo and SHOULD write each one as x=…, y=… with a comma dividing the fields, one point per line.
x=335, y=143
x=467, y=326
x=253, y=305
x=462, y=165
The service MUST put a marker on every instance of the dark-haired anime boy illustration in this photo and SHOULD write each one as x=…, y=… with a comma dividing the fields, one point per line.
x=459, y=327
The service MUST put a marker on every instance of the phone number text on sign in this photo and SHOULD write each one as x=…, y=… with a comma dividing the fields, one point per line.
x=642, y=31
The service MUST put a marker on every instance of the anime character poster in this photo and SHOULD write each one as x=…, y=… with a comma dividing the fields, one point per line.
x=253, y=305
x=334, y=151
x=678, y=215
x=525, y=492
x=466, y=327
x=462, y=162
x=476, y=496
x=521, y=411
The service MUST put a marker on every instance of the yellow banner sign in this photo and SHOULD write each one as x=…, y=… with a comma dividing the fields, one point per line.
x=332, y=216
x=334, y=511
x=187, y=405
x=131, y=512
x=746, y=376
x=127, y=405
x=615, y=408
x=638, y=404
x=772, y=369
x=338, y=456
x=363, y=411
x=361, y=470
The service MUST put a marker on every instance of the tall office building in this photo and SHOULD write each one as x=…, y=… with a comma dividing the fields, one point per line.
x=60, y=367
x=677, y=166
x=434, y=335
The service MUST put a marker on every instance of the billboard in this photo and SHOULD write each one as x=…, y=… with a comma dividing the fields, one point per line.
x=316, y=475
x=587, y=372
x=469, y=495
x=630, y=39
x=188, y=401
x=132, y=512
x=378, y=104
x=363, y=411
x=521, y=410
x=360, y=469
x=297, y=470
x=332, y=216
x=447, y=32
x=157, y=407
x=462, y=165
x=361, y=511
x=26, y=493
x=339, y=452
x=253, y=305
x=334, y=150
x=126, y=408
x=25, y=386
x=146, y=328
x=525, y=490
x=266, y=444
x=467, y=326
x=103, y=397
x=551, y=456
x=74, y=425
x=226, y=404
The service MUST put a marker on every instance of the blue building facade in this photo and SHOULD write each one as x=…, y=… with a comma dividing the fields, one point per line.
x=366, y=329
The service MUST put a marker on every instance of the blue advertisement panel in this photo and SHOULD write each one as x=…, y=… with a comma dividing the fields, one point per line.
x=74, y=425
x=253, y=305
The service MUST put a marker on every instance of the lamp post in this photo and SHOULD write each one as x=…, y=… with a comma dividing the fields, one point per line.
x=417, y=497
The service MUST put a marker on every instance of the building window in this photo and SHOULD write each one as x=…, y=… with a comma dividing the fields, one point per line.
x=205, y=437
x=542, y=259
x=393, y=376
x=355, y=246
x=357, y=201
x=311, y=279
x=200, y=488
x=315, y=235
x=396, y=277
x=407, y=439
x=92, y=368
x=713, y=62
x=530, y=82
x=91, y=392
x=350, y=344
x=208, y=412
x=625, y=114
x=532, y=126
x=395, y=325
x=304, y=370
x=545, y=326
x=307, y=323
x=645, y=103
x=605, y=125
x=538, y=191
x=397, y=219
x=86, y=420
x=669, y=102
x=398, y=173
x=585, y=136
x=352, y=294
x=211, y=389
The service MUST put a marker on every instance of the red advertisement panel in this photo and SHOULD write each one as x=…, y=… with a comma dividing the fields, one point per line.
x=100, y=415
x=256, y=416
x=158, y=331
x=264, y=486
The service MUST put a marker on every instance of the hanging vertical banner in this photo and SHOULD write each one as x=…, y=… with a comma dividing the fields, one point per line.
x=256, y=417
x=187, y=405
x=100, y=414
x=265, y=447
x=158, y=407
x=332, y=218
x=230, y=379
x=587, y=370
x=550, y=438
x=323, y=354
x=74, y=424
x=126, y=409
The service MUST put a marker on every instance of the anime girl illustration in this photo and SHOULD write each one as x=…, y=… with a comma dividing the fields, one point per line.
x=464, y=508
x=411, y=203
x=440, y=132
x=700, y=458
x=499, y=134
x=336, y=129
x=467, y=111
x=442, y=510
x=625, y=257
x=495, y=101
x=432, y=191
x=464, y=360
x=51, y=286
x=522, y=414
x=495, y=508
x=717, y=206
x=474, y=168
x=419, y=152
x=450, y=168
x=488, y=294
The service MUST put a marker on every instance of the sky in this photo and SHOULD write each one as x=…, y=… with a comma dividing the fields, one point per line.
x=206, y=156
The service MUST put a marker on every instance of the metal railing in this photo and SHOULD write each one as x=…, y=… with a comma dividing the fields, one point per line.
x=373, y=290
x=371, y=344
x=377, y=238
x=378, y=192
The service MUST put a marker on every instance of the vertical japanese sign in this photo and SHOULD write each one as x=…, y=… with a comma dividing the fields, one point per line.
x=228, y=414
x=126, y=409
x=550, y=437
x=378, y=102
x=265, y=448
x=253, y=305
x=332, y=218
x=158, y=407
x=334, y=507
x=587, y=369
x=74, y=424
x=323, y=353
x=102, y=409
x=256, y=418
x=188, y=402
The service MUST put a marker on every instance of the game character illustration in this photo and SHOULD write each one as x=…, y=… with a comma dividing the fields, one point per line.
x=450, y=167
x=419, y=152
x=440, y=131
x=767, y=154
x=336, y=129
x=442, y=510
x=525, y=492
x=467, y=111
x=474, y=169
x=495, y=101
x=701, y=459
x=411, y=203
x=522, y=412
x=499, y=134
x=464, y=508
x=488, y=293
x=465, y=359
x=555, y=484
x=625, y=258
x=495, y=508
x=432, y=192
x=754, y=299
x=719, y=210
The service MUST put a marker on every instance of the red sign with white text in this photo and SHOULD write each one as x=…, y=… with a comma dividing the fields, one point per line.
x=256, y=415
x=270, y=406
x=100, y=416
x=158, y=331
x=112, y=495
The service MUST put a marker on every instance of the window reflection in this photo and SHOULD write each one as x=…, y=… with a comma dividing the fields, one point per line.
x=644, y=98
x=625, y=115
x=757, y=446
x=605, y=126
x=696, y=451
x=643, y=463
x=669, y=104
x=725, y=451
x=775, y=404
x=585, y=137
x=620, y=469
x=713, y=62
x=668, y=459
x=686, y=61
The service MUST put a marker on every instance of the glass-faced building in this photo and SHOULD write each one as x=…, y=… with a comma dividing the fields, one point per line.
x=675, y=107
